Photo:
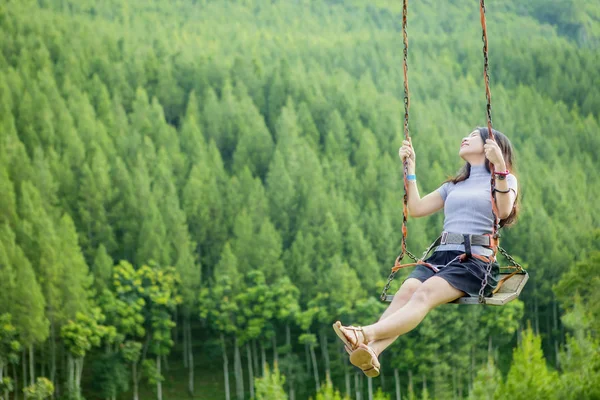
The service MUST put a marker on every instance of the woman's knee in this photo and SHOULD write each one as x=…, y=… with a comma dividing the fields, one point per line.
x=408, y=288
x=422, y=296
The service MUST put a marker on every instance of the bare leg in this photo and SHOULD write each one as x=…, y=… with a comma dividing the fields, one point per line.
x=401, y=297
x=433, y=292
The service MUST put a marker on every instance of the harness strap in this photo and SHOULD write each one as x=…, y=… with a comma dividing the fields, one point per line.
x=467, y=239
x=501, y=282
x=398, y=266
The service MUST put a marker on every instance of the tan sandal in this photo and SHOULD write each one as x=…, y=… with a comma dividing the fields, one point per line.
x=366, y=359
x=349, y=335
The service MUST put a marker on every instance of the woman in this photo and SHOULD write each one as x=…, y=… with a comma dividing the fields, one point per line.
x=467, y=208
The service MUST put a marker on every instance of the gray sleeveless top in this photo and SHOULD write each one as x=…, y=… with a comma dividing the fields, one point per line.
x=468, y=207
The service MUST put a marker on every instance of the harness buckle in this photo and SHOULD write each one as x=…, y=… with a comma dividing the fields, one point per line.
x=444, y=237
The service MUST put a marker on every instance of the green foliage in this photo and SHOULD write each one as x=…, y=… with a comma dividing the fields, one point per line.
x=380, y=395
x=270, y=385
x=328, y=392
x=111, y=377
x=42, y=389
x=131, y=351
x=259, y=161
x=487, y=384
x=84, y=333
x=529, y=376
x=6, y=386
x=151, y=372
x=581, y=282
x=9, y=341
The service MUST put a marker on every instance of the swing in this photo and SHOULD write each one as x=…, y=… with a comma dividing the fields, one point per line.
x=512, y=279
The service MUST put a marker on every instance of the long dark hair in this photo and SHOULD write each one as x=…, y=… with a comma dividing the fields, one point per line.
x=508, y=154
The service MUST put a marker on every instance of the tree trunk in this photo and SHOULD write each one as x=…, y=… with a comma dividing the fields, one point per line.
x=454, y=384
x=411, y=389
x=78, y=368
x=52, y=354
x=325, y=353
x=536, y=314
x=250, y=370
x=308, y=361
x=382, y=375
x=159, y=381
x=185, y=342
x=24, y=364
x=357, y=387
x=472, y=368
x=134, y=376
x=256, y=360
x=290, y=376
x=263, y=357
x=43, y=357
x=16, y=381
x=225, y=368
x=370, y=386
x=70, y=376
x=237, y=363
x=165, y=362
x=347, y=376
x=275, y=355
x=31, y=362
x=398, y=387
x=314, y=364
x=190, y=355
x=175, y=332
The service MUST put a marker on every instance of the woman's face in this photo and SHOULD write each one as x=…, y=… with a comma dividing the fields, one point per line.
x=471, y=145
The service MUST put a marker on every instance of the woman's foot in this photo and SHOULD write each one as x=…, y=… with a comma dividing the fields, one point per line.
x=352, y=336
x=366, y=359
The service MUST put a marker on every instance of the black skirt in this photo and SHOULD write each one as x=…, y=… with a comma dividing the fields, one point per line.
x=466, y=276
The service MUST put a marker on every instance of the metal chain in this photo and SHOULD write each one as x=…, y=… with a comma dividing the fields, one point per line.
x=393, y=273
x=405, y=66
x=387, y=286
x=488, y=272
x=510, y=259
x=404, y=251
x=488, y=95
x=406, y=131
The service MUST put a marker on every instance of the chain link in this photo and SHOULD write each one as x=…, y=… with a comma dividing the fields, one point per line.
x=510, y=259
x=404, y=251
x=488, y=272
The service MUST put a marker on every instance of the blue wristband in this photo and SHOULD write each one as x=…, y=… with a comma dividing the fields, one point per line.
x=412, y=178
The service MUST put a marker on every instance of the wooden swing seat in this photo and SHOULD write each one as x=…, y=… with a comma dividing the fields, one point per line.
x=510, y=290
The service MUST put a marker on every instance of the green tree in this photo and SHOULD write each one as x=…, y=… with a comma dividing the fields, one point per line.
x=529, y=376
x=487, y=384
x=41, y=390
x=79, y=337
x=270, y=386
x=9, y=350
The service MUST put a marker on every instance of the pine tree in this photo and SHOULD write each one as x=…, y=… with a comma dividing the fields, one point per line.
x=529, y=376
x=270, y=386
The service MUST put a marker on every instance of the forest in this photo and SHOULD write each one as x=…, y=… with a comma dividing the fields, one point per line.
x=193, y=191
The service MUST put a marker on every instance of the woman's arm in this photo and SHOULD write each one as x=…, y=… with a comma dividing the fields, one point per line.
x=506, y=189
x=505, y=201
x=422, y=207
x=417, y=206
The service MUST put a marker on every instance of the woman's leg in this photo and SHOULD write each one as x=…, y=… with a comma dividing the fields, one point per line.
x=401, y=297
x=433, y=292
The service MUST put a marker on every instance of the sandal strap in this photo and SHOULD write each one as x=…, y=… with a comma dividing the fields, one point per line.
x=356, y=329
